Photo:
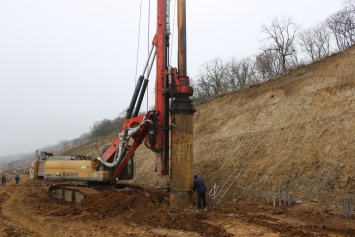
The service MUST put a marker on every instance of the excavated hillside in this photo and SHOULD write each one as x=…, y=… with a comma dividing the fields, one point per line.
x=295, y=133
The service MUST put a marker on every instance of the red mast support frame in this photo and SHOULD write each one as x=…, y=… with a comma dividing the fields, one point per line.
x=173, y=86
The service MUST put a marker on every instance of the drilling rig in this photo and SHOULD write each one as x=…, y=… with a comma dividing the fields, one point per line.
x=167, y=129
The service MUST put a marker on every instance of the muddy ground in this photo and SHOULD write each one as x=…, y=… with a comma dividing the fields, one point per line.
x=26, y=210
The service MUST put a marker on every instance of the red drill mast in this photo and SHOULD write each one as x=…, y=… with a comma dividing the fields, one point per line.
x=171, y=97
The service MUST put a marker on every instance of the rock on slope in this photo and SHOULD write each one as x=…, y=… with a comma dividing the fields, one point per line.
x=295, y=133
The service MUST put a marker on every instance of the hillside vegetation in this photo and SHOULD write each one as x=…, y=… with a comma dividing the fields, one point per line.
x=295, y=133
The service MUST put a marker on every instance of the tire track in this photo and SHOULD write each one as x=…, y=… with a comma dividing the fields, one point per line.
x=9, y=226
x=20, y=219
x=24, y=212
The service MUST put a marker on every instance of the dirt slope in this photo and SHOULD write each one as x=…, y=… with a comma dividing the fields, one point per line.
x=295, y=133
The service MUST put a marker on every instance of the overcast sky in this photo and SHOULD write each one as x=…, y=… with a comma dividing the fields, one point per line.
x=65, y=64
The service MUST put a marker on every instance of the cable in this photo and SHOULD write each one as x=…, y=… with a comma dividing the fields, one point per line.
x=148, y=24
x=148, y=52
x=172, y=34
x=139, y=33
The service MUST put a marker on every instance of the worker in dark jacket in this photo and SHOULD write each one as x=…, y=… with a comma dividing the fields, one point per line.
x=17, y=179
x=200, y=186
x=3, y=180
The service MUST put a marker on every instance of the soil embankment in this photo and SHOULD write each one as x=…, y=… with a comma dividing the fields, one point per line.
x=295, y=133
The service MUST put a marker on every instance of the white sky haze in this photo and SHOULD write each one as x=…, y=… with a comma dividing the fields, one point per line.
x=65, y=64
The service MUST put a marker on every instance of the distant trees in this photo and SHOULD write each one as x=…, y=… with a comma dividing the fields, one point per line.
x=241, y=73
x=339, y=28
x=102, y=128
x=105, y=127
x=212, y=80
x=219, y=77
x=98, y=130
x=279, y=52
x=316, y=42
x=267, y=65
x=280, y=46
x=342, y=24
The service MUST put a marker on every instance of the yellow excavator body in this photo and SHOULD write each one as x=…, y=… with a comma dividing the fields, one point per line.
x=74, y=170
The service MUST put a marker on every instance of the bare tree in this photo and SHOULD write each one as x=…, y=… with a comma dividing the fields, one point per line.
x=342, y=24
x=267, y=65
x=241, y=73
x=200, y=94
x=315, y=42
x=102, y=128
x=212, y=80
x=349, y=3
x=280, y=40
